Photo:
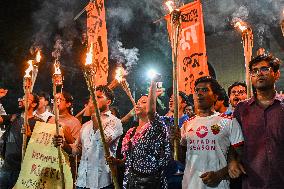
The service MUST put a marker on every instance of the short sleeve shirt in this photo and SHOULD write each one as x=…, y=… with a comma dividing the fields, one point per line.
x=208, y=140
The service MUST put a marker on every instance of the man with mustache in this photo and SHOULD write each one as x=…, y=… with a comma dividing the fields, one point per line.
x=262, y=121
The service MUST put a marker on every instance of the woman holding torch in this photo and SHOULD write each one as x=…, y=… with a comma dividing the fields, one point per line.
x=146, y=148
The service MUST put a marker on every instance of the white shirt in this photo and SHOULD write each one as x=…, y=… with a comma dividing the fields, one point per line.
x=2, y=110
x=93, y=171
x=208, y=140
x=44, y=116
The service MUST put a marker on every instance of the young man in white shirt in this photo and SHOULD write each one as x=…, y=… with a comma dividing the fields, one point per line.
x=42, y=112
x=94, y=173
x=208, y=136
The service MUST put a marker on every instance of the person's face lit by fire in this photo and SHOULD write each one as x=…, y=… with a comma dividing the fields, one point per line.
x=31, y=103
x=204, y=98
x=189, y=111
x=182, y=103
x=102, y=101
x=42, y=103
x=238, y=93
x=63, y=105
x=141, y=107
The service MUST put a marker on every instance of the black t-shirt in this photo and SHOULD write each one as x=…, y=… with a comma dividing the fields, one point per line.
x=13, y=152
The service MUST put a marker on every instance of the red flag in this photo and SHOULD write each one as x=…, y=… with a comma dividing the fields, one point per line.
x=97, y=35
x=192, y=58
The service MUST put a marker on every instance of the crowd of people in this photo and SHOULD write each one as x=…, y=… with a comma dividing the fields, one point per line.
x=224, y=140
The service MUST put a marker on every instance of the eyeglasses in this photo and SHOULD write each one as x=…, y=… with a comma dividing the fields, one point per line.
x=264, y=70
x=240, y=92
x=203, y=90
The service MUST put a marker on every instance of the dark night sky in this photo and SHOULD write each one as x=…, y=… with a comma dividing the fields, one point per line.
x=24, y=23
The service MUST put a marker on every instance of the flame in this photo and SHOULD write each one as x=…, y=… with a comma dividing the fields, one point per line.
x=170, y=4
x=241, y=25
x=29, y=69
x=89, y=56
x=38, y=56
x=119, y=74
x=57, y=70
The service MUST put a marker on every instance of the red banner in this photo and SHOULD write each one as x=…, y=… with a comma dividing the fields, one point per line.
x=192, y=57
x=97, y=35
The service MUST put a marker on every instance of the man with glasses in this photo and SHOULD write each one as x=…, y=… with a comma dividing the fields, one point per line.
x=208, y=136
x=262, y=121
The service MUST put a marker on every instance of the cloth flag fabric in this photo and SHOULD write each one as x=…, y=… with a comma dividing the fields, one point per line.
x=192, y=57
x=97, y=35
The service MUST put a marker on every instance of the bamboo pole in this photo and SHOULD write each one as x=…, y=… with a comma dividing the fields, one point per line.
x=88, y=74
x=125, y=87
x=27, y=87
x=175, y=24
x=247, y=37
x=57, y=81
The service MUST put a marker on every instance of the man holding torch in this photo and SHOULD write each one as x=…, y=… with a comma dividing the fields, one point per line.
x=93, y=171
x=13, y=140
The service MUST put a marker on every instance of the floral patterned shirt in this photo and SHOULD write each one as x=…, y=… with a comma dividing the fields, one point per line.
x=150, y=151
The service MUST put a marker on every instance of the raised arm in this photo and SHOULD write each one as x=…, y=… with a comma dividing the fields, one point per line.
x=152, y=100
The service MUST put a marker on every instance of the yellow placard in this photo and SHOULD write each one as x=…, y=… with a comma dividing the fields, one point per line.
x=40, y=168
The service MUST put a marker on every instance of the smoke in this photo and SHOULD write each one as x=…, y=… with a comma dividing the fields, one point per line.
x=128, y=57
x=241, y=13
x=55, y=18
x=130, y=23
x=58, y=48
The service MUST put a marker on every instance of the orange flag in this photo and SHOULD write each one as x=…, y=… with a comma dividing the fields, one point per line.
x=97, y=35
x=192, y=58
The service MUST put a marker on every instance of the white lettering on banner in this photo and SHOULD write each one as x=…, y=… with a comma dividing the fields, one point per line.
x=187, y=34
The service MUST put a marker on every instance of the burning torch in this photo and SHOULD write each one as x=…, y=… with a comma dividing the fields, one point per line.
x=57, y=81
x=89, y=75
x=27, y=83
x=175, y=21
x=35, y=68
x=120, y=73
x=247, y=38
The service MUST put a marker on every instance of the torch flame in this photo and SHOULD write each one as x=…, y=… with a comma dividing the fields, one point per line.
x=89, y=56
x=170, y=4
x=119, y=74
x=241, y=25
x=57, y=70
x=38, y=56
x=29, y=69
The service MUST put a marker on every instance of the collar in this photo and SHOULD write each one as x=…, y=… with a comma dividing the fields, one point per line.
x=107, y=113
x=277, y=97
